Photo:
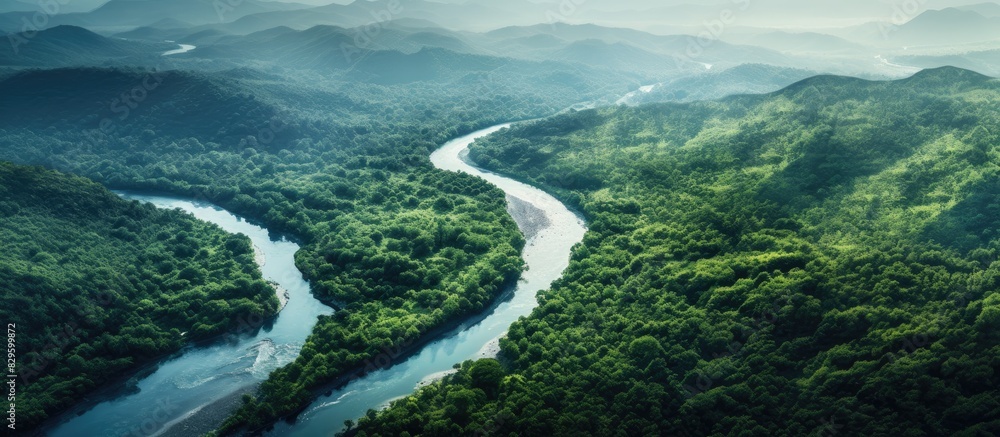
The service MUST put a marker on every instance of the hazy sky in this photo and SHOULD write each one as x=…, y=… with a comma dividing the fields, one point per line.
x=816, y=5
x=659, y=16
x=780, y=13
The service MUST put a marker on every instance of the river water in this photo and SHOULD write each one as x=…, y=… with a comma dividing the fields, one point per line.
x=181, y=387
x=202, y=375
x=552, y=230
x=184, y=48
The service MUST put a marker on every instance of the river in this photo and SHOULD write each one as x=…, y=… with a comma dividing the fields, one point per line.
x=179, y=388
x=552, y=230
x=184, y=48
x=182, y=386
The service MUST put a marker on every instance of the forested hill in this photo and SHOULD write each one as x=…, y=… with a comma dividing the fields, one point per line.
x=70, y=45
x=120, y=107
x=97, y=285
x=822, y=260
x=403, y=249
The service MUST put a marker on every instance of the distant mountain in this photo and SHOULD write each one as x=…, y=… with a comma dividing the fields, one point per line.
x=861, y=182
x=805, y=42
x=64, y=6
x=169, y=23
x=69, y=45
x=947, y=26
x=142, y=12
x=178, y=35
x=674, y=52
x=743, y=79
x=948, y=78
x=475, y=16
x=320, y=47
x=150, y=33
x=531, y=43
x=123, y=14
x=469, y=15
x=170, y=104
x=400, y=56
x=646, y=56
x=984, y=62
x=614, y=56
x=430, y=64
x=580, y=32
x=18, y=6
x=991, y=10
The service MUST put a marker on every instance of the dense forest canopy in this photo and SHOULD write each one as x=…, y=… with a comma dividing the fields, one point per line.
x=398, y=247
x=97, y=285
x=821, y=259
x=816, y=261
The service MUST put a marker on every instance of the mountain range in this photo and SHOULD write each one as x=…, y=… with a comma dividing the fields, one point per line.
x=70, y=45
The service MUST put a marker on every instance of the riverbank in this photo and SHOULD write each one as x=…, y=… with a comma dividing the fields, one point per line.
x=261, y=259
x=207, y=418
x=399, y=354
x=551, y=230
x=530, y=219
x=203, y=375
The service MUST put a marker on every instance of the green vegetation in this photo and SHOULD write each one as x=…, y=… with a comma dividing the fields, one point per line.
x=818, y=261
x=399, y=246
x=97, y=285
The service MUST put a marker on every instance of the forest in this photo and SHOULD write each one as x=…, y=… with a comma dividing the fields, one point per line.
x=818, y=260
x=821, y=260
x=399, y=248
x=98, y=285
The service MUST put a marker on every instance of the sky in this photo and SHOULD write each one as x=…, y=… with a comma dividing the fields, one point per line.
x=770, y=13
x=658, y=16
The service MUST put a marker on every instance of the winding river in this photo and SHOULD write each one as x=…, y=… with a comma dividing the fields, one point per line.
x=551, y=230
x=184, y=48
x=179, y=388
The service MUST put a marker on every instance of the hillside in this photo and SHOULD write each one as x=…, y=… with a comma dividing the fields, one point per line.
x=947, y=26
x=805, y=42
x=984, y=62
x=401, y=248
x=625, y=49
x=985, y=9
x=474, y=16
x=63, y=46
x=744, y=79
x=97, y=285
x=124, y=14
x=819, y=260
x=132, y=103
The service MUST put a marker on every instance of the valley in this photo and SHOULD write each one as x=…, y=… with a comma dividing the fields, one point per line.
x=463, y=217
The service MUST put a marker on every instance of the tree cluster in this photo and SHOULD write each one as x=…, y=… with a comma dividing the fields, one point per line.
x=818, y=261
